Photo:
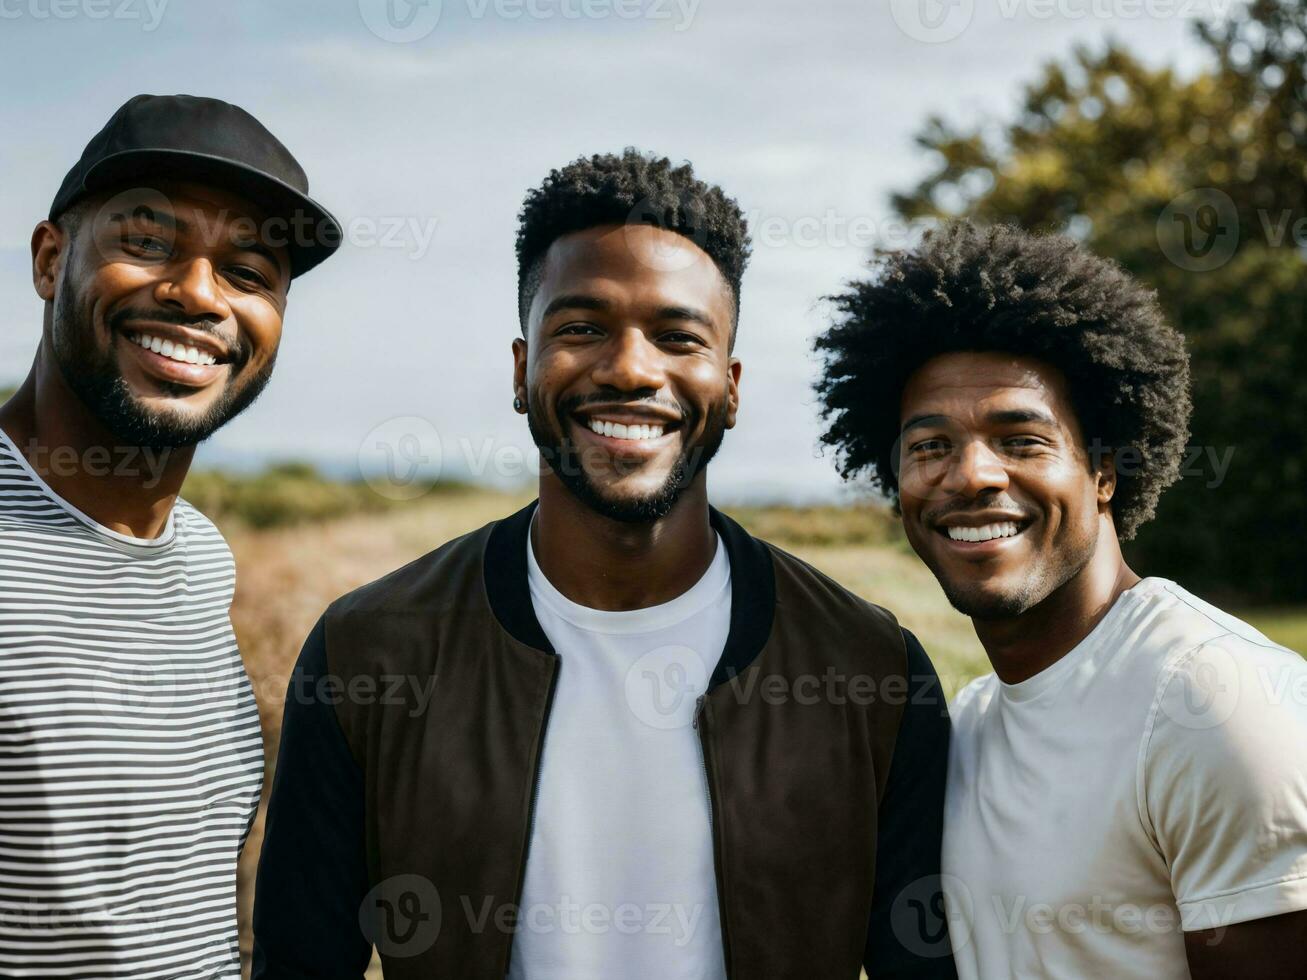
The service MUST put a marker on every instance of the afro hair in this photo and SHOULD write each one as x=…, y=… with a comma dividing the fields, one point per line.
x=1001, y=289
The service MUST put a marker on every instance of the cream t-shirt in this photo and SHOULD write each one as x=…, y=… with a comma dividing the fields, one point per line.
x=1153, y=781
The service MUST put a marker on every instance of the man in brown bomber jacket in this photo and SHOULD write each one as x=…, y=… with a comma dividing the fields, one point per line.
x=612, y=735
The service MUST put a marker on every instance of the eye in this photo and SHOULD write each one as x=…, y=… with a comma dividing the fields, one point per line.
x=1022, y=442
x=251, y=277
x=576, y=330
x=681, y=337
x=147, y=245
x=929, y=447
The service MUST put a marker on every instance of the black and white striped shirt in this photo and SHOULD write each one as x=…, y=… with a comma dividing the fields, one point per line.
x=130, y=751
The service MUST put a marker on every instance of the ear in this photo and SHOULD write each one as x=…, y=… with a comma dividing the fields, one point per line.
x=732, y=391
x=519, y=373
x=49, y=248
x=1106, y=477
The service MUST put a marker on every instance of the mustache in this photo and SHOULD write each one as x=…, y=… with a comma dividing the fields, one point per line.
x=238, y=348
x=987, y=503
x=607, y=397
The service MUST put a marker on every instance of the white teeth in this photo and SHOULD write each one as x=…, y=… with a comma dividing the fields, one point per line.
x=616, y=430
x=1006, y=529
x=178, y=352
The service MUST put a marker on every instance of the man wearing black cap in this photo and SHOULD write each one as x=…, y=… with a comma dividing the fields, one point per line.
x=132, y=756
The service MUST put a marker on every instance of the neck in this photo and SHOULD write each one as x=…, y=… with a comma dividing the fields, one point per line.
x=612, y=565
x=128, y=489
x=1021, y=646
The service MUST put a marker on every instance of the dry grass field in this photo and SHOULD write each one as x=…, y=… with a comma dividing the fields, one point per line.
x=287, y=576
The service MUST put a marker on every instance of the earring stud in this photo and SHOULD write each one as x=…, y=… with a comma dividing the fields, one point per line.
x=517, y=404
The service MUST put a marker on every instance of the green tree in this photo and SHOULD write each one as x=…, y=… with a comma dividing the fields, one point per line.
x=1196, y=185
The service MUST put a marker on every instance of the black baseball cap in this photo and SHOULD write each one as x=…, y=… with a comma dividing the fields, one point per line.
x=212, y=142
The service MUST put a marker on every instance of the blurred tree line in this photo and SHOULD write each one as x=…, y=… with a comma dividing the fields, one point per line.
x=1196, y=185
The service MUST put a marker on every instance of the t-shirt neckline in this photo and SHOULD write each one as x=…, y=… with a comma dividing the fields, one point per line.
x=698, y=597
x=1050, y=676
x=165, y=538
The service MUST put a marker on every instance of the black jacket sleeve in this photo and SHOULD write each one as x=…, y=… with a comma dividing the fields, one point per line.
x=312, y=877
x=908, y=935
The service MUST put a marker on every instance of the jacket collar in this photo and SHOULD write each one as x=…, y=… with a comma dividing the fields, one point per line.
x=753, y=589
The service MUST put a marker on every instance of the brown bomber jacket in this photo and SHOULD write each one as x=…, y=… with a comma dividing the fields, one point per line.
x=401, y=809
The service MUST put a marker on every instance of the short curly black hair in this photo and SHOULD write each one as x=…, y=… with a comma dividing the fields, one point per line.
x=631, y=188
x=970, y=288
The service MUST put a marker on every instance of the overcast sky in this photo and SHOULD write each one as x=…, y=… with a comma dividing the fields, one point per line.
x=422, y=127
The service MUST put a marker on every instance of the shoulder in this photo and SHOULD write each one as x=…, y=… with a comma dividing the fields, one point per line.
x=1228, y=717
x=1228, y=687
x=1166, y=623
x=1212, y=666
x=202, y=531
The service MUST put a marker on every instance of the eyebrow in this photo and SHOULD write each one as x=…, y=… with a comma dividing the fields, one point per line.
x=258, y=248
x=1010, y=416
x=686, y=313
x=917, y=420
x=583, y=301
x=144, y=211
x=575, y=301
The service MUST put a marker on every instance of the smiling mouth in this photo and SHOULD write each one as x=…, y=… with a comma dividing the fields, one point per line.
x=630, y=431
x=995, y=531
x=629, y=427
x=177, y=351
x=986, y=532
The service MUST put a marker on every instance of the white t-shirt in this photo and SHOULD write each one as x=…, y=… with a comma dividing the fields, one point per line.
x=619, y=876
x=1152, y=781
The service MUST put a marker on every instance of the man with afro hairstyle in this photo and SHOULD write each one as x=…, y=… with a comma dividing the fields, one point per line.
x=655, y=746
x=1127, y=792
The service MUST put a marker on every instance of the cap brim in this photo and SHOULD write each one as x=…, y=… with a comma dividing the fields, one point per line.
x=312, y=233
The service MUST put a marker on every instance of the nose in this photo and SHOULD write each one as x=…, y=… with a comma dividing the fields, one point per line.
x=193, y=288
x=975, y=469
x=629, y=363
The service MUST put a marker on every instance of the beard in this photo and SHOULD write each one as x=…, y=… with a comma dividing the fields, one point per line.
x=95, y=377
x=561, y=454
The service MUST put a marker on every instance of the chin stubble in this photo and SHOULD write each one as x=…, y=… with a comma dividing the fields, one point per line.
x=561, y=454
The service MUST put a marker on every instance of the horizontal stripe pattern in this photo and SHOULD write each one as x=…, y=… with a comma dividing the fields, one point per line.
x=131, y=757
